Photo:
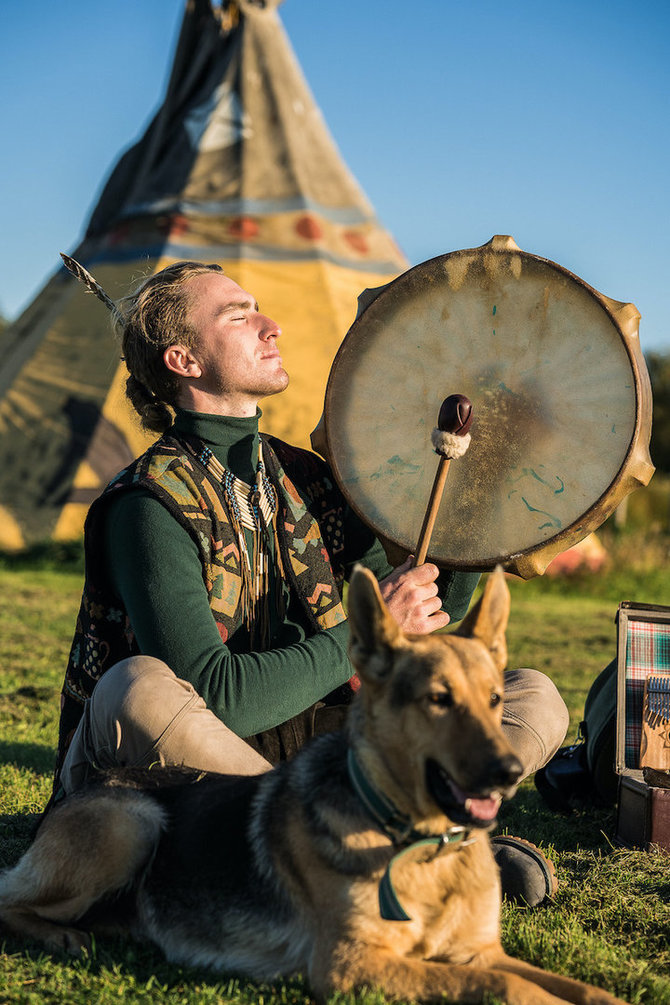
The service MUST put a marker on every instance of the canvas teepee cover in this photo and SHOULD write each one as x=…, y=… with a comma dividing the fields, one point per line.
x=237, y=168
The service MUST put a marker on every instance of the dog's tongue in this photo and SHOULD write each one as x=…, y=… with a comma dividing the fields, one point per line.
x=479, y=809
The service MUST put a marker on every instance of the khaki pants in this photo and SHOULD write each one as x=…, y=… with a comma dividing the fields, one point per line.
x=140, y=714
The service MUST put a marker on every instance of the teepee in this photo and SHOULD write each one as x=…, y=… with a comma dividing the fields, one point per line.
x=238, y=168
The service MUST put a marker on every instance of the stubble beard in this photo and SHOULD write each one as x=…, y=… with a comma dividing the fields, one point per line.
x=274, y=385
x=262, y=387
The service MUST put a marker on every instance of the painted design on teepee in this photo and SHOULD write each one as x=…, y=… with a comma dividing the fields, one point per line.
x=218, y=122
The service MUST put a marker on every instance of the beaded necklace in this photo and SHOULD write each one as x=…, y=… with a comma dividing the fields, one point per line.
x=252, y=508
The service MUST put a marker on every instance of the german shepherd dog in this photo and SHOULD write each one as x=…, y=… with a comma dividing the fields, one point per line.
x=363, y=861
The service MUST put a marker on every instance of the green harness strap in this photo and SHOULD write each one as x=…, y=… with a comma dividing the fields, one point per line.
x=400, y=830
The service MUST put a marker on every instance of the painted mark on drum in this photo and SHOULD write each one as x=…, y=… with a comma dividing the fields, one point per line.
x=398, y=465
x=553, y=521
x=508, y=390
x=557, y=485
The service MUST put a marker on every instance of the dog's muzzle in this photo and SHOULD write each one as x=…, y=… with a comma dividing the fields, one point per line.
x=479, y=806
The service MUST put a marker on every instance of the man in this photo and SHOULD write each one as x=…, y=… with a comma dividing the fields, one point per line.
x=211, y=630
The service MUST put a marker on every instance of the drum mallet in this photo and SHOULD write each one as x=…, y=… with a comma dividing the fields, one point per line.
x=450, y=440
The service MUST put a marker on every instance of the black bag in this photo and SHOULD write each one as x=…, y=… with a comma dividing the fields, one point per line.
x=598, y=730
x=585, y=771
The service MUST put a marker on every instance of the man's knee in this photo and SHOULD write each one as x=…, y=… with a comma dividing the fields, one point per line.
x=534, y=705
x=137, y=688
x=141, y=713
x=133, y=704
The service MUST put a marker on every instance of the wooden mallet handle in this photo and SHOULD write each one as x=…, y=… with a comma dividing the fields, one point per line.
x=450, y=440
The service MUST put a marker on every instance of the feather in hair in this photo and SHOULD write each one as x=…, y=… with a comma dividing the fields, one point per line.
x=91, y=284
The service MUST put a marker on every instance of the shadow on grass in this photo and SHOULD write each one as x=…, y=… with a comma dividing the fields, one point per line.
x=37, y=757
x=57, y=555
x=148, y=966
x=17, y=830
x=527, y=816
x=116, y=957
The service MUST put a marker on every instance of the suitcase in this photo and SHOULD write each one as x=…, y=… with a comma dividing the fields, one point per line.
x=643, y=648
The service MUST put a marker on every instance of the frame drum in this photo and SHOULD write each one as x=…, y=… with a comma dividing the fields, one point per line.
x=561, y=407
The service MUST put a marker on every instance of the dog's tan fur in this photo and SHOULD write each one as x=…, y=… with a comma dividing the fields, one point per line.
x=292, y=885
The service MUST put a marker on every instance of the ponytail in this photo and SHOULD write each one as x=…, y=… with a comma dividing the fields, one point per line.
x=154, y=414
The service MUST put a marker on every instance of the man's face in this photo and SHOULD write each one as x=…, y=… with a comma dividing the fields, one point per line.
x=236, y=345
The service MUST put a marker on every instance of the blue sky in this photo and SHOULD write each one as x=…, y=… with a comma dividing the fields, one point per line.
x=459, y=119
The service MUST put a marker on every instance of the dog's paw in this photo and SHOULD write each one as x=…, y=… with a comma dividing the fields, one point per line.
x=73, y=942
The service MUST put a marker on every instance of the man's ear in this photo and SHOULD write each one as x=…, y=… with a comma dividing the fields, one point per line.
x=181, y=361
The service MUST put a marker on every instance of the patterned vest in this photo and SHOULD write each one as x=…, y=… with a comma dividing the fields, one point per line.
x=309, y=522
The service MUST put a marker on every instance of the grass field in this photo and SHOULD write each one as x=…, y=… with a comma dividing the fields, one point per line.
x=610, y=921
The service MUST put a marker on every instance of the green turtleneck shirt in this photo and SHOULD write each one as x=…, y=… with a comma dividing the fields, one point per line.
x=155, y=568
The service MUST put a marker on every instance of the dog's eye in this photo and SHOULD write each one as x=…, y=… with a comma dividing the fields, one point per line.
x=442, y=699
x=495, y=699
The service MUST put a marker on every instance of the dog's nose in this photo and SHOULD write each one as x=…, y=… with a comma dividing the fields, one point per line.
x=506, y=770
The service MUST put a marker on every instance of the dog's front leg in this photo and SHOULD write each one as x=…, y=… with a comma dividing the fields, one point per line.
x=566, y=988
x=351, y=966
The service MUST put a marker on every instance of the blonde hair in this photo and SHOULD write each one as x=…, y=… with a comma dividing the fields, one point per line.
x=149, y=320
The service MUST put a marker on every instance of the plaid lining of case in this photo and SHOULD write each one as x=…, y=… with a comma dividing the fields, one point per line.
x=647, y=651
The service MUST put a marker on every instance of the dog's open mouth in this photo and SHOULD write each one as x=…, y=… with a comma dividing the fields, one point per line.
x=474, y=809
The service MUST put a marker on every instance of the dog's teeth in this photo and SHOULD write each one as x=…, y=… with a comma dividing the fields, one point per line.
x=468, y=805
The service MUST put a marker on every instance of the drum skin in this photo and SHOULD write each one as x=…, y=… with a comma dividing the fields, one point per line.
x=561, y=407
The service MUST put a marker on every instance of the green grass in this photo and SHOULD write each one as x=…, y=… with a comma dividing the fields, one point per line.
x=610, y=922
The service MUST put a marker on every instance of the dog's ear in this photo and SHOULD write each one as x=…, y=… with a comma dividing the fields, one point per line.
x=487, y=620
x=372, y=630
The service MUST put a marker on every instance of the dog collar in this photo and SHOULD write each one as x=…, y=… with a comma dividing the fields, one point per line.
x=398, y=827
